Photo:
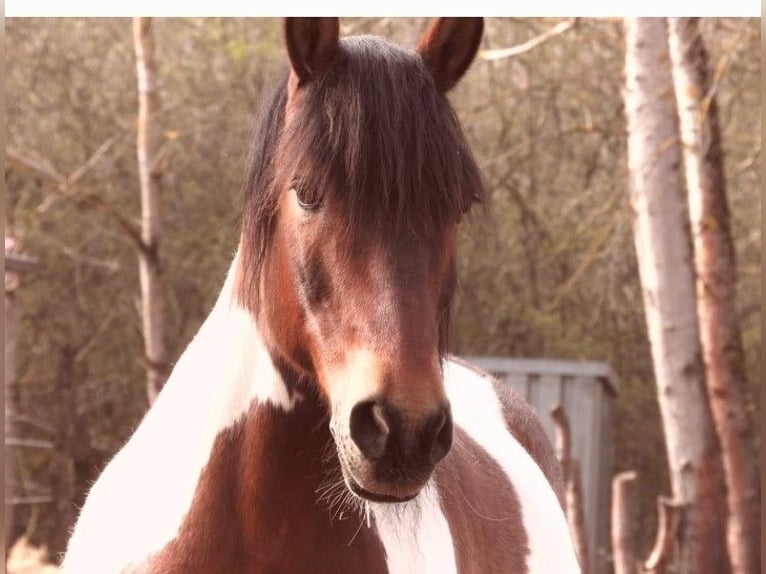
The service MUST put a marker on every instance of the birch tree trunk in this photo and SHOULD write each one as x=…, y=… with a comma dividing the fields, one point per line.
x=716, y=288
x=667, y=281
x=151, y=231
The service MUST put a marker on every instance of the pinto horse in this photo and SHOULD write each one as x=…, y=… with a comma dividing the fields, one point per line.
x=315, y=424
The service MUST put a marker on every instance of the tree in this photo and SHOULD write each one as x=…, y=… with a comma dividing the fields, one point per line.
x=152, y=308
x=11, y=326
x=716, y=287
x=570, y=467
x=667, y=284
x=624, y=521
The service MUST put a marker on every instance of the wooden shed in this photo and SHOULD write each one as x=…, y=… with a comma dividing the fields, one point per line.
x=586, y=391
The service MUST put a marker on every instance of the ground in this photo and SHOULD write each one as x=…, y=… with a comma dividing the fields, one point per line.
x=26, y=559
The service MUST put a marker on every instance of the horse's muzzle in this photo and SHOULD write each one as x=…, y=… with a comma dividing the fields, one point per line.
x=393, y=455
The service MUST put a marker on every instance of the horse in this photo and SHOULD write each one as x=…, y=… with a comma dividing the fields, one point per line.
x=316, y=422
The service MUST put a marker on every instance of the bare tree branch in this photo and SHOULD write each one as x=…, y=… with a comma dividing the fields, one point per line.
x=591, y=255
x=15, y=159
x=30, y=421
x=667, y=533
x=88, y=344
x=64, y=187
x=502, y=53
x=29, y=442
x=77, y=174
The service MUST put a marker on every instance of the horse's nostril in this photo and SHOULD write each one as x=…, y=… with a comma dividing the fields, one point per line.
x=369, y=428
x=378, y=432
x=440, y=436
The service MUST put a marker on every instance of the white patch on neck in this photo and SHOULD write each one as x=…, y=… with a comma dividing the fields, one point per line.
x=477, y=410
x=416, y=535
x=141, y=499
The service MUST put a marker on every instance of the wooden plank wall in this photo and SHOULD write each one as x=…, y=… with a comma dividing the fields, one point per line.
x=586, y=391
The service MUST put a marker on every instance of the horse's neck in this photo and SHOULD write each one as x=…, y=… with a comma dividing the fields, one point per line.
x=259, y=446
x=269, y=455
x=224, y=373
x=223, y=376
x=257, y=495
x=225, y=367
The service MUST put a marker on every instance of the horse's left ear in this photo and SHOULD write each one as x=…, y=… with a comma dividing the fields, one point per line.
x=311, y=45
x=448, y=48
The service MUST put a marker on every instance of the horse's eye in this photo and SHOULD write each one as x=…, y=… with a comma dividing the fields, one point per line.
x=308, y=198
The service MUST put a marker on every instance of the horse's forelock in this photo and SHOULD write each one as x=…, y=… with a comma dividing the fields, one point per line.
x=374, y=136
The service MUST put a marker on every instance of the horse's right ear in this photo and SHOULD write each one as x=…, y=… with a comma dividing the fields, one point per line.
x=311, y=45
x=448, y=48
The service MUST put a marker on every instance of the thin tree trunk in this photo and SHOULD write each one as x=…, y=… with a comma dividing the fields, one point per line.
x=152, y=307
x=11, y=321
x=667, y=281
x=625, y=523
x=60, y=465
x=575, y=509
x=716, y=288
x=563, y=440
x=576, y=515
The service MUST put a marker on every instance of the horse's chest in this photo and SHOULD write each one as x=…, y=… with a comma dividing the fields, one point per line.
x=256, y=511
x=291, y=547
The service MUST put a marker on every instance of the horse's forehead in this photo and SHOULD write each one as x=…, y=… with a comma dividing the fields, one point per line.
x=375, y=247
x=367, y=55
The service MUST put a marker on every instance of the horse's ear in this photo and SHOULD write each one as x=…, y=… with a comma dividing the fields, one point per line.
x=448, y=48
x=311, y=45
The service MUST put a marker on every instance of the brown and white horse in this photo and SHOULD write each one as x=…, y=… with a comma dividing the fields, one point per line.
x=315, y=424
